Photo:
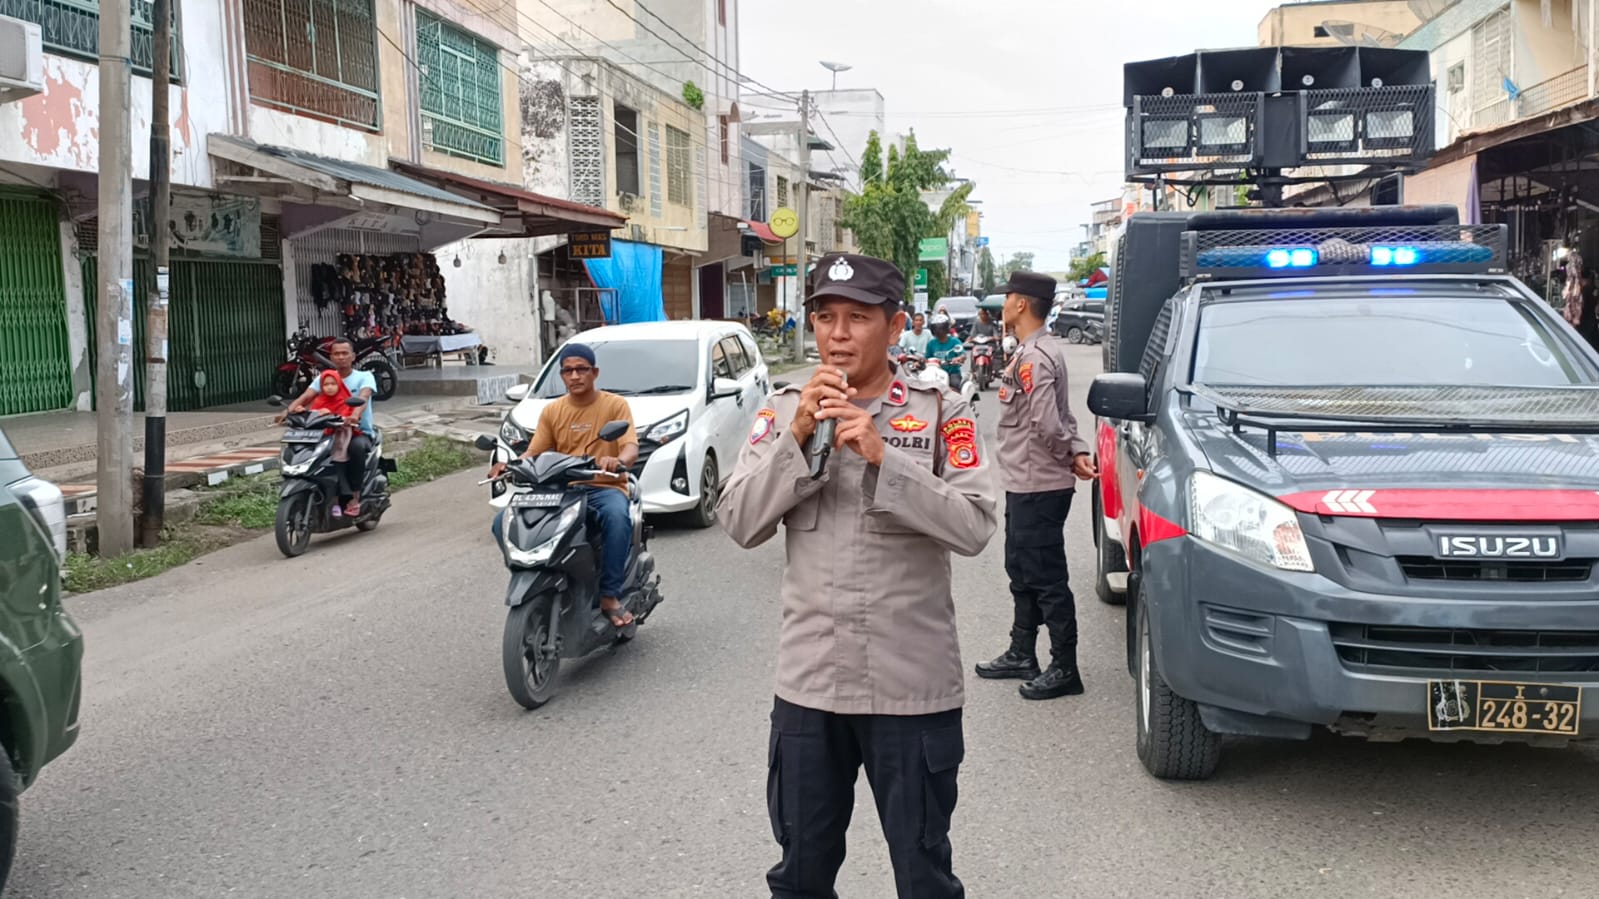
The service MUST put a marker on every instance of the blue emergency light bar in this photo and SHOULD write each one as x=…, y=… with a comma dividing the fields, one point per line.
x=1444, y=249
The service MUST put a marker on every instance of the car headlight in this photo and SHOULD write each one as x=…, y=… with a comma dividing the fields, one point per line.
x=1248, y=523
x=668, y=428
x=45, y=503
x=511, y=432
x=541, y=553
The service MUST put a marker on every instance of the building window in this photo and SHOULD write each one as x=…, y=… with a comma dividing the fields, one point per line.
x=1320, y=31
x=460, y=80
x=1491, y=59
x=757, y=192
x=72, y=28
x=782, y=191
x=587, y=151
x=838, y=226
x=627, y=150
x=1457, y=78
x=721, y=122
x=679, y=168
x=315, y=58
x=721, y=12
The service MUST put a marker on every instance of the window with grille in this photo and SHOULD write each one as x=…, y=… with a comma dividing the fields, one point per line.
x=679, y=168
x=838, y=222
x=72, y=28
x=1491, y=60
x=314, y=57
x=722, y=125
x=782, y=191
x=460, y=81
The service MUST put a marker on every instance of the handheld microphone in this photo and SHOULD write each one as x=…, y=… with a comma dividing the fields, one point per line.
x=822, y=440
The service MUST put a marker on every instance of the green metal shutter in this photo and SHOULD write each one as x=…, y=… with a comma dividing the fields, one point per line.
x=225, y=319
x=35, y=353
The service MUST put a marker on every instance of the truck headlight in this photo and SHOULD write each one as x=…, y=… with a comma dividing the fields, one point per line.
x=1248, y=523
x=668, y=428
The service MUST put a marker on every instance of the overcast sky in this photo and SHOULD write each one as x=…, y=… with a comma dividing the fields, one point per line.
x=1026, y=93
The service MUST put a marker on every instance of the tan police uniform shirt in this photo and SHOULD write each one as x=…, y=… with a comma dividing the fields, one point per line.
x=1037, y=432
x=868, y=619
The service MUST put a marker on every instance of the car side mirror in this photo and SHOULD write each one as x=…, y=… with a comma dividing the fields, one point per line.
x=518, y=393
x=355, y=402
x=613, y=430
x=484, y=442
x=725, y=387
x=1124, y=397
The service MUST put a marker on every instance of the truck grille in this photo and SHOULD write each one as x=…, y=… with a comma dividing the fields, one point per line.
x=1426, y=649
x=1424, y=568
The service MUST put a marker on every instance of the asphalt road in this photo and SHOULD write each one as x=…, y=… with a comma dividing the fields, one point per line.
x=337, y=725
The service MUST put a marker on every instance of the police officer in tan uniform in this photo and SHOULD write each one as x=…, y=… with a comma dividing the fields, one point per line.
x=868, y=665
x=1041, y=457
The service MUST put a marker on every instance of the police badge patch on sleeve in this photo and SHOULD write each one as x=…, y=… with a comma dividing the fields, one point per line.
x=960, y=437
x=1025, y=375
x=762, y=426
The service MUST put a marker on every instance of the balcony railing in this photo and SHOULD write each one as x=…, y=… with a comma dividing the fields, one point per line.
x=72, y=28
x=1546, y=96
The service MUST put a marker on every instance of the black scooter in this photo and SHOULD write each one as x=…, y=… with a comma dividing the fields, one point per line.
x=311, y=480
x=554, y=558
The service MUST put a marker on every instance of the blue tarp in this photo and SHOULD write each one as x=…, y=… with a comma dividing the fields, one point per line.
x=1094, y=293
x=634, y=271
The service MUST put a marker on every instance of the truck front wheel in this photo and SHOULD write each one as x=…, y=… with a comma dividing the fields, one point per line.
x=1173, y=743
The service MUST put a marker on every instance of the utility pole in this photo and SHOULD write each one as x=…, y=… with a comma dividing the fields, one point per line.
x=802, y=194
x=155, y=304
x=114, y=326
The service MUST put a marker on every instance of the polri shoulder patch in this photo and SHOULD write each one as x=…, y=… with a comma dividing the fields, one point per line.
x=762, y=428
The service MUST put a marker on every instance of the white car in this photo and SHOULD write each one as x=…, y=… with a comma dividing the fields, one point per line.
x=694, y=388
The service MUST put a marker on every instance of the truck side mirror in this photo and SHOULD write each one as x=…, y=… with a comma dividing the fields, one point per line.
x=1120, y=396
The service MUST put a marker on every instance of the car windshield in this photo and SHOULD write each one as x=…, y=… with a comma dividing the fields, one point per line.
x=631, y=367
x=958, y=306
x=1381, y=340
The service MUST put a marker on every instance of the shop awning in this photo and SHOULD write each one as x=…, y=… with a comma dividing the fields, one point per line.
x=763, y=231
x=526, y=214
x=274, y=168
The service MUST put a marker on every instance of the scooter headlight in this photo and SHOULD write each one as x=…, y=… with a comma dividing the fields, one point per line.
x=300, y=468
x=538, y=555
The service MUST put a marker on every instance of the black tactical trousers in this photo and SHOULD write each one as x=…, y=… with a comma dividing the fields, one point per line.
x=911, y=763
x=1035, y=561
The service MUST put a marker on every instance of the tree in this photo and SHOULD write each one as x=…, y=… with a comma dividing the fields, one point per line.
x=985, y=271
x=888, y=216
x=1086, y=266
x=1018, y=262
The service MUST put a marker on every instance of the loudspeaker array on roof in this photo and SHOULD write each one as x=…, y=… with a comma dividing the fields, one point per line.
x=1271, y=109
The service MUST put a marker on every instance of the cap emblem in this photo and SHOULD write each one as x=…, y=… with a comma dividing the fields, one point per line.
x=841, y=270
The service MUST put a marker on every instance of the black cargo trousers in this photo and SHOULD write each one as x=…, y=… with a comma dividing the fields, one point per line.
x=1035, y=562
x=911, y=763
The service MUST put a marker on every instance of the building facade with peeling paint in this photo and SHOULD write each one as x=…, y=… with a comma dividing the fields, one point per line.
x=301, y=131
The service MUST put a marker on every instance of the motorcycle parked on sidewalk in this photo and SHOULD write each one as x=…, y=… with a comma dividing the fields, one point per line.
x=312, y=480
x=307, y=355
x=554, y=560
x=982, y=361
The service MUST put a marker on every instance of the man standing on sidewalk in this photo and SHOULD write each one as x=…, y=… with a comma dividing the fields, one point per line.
x=1041, y=457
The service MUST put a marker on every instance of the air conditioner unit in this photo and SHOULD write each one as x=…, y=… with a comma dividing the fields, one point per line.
x=638, y=233
x=21, y=59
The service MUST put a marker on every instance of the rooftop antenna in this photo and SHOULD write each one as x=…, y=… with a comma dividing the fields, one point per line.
x=835, y=68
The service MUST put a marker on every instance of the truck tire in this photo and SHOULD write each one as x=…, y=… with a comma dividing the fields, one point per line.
x=1112, y=557
x=1173, y=743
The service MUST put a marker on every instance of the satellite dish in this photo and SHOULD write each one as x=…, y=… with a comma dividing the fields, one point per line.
x=1353, y=34
x=1427, y=10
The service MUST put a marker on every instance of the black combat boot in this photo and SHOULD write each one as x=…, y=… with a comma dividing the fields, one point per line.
x=1056, y=681
x=1020, y=661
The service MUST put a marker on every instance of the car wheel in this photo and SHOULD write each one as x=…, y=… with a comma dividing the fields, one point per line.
x=1173, y=743
x=704, y=514
x=1074, y=334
